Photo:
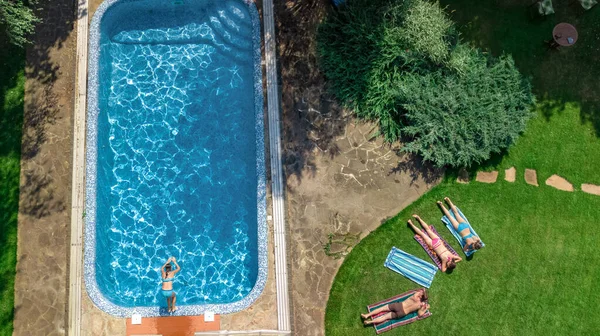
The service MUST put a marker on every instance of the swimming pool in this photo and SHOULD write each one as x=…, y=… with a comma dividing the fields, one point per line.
x=175, y=156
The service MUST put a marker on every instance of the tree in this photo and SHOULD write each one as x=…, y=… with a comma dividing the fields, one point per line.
x=17, y=20
x=461, y=118
x=402, y=64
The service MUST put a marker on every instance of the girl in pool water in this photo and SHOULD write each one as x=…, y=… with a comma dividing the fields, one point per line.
x=168, y=274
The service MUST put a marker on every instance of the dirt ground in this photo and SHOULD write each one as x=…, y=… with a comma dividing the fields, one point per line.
x=341, y=182
x=45, y=190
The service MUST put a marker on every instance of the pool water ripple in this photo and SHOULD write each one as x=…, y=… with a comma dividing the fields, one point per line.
x=176, y=164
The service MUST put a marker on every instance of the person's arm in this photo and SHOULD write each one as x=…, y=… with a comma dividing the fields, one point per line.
x=423, y=309
x=176, y=265
x=162, y=269
x=444, y=267
x=457, y=258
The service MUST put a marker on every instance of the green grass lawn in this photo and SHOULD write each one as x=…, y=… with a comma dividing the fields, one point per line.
x=562, y=139
x=12, y=82
x=538, y=275
x=540, y=271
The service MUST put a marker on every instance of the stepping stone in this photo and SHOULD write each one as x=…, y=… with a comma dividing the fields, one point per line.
x=531, y=177
x=487, y=177
x=463, y=176
x=591, y=189
x=559, y=183
x=510, y=174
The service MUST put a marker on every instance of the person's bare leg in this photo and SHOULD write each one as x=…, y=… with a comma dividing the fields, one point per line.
x=380, y=319
x=420, y=233
x=430, y=232
x=173, y=300
x=459, y=218
x=376, y=311
x=448, y=215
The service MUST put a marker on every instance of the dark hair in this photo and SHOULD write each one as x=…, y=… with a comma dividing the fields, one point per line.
x=451, y=264
x=473, y=246
x=168, y=268
x=425, y=296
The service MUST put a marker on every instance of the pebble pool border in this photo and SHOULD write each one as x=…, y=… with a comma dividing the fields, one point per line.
x=90, y=201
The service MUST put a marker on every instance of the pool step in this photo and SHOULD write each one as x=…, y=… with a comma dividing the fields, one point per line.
x=228, y=37
x=239, y=11
x=231, y=23
x=235, y=16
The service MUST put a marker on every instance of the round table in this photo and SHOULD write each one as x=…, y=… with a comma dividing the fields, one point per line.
x=565, y=34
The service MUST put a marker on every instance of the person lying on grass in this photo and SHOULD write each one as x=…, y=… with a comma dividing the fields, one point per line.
x=434, y=242
x=417, y=302
x=472, y=242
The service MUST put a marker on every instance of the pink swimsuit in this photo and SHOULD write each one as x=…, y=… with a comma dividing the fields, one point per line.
x=435, y=243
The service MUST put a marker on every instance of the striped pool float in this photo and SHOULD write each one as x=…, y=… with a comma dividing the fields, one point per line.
x=415, y=269
x=391, y=324
x=430, y=251
x=456, y=234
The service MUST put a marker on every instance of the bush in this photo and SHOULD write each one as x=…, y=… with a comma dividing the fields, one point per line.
x=17, y=20
x=401, y=63
x=428, y=31
x=458, y=119
x=364, y=48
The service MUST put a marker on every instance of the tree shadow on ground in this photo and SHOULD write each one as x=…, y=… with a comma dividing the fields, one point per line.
x=417, y=168
x=22, y=134
x=49, y=64
x=311, y=118
x=42, y=103
x=568, y=75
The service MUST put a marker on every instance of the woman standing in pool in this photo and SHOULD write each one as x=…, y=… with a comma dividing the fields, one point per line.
x=168, y=275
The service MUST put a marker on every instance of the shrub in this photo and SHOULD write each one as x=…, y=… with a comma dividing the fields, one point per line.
x=17, y=20
x=458, y=119
x=400, y=63
x=428, y=31
x=364, y=48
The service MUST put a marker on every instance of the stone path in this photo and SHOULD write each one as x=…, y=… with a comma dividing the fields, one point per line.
x=559, y=183
x=530, y=177
x=487, y=177
x=590, y=189
x=510, y=174
x=347, y=194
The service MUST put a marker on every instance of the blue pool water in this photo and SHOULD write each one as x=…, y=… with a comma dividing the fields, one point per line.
x=176, y=153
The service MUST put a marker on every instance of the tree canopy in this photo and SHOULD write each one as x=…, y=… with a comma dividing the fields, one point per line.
x=402, y=64
x=17, y=20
